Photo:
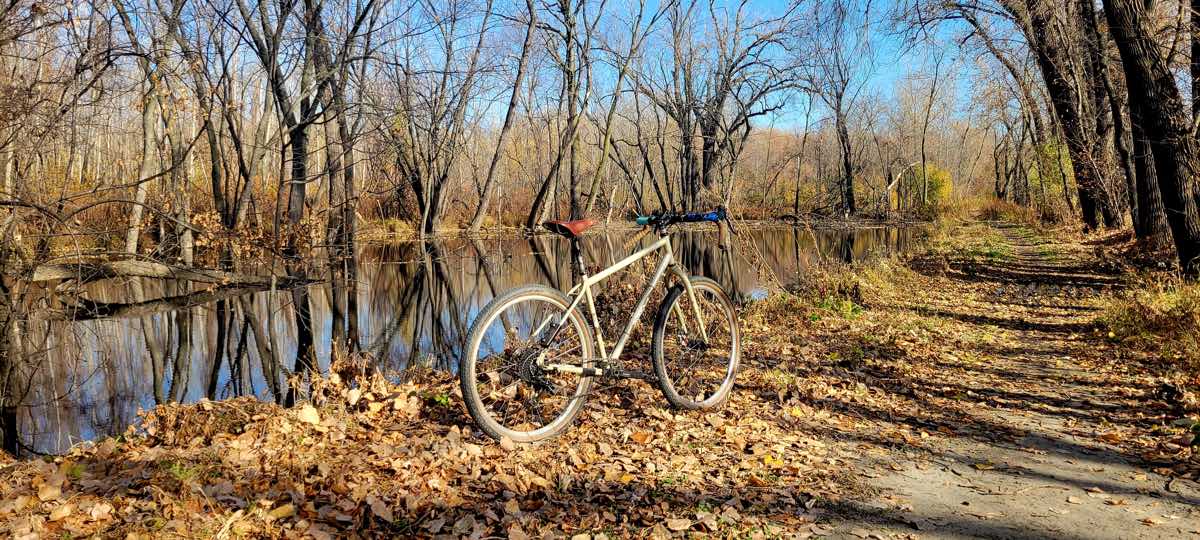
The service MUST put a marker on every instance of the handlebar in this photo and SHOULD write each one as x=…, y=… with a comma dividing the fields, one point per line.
x=669, y=218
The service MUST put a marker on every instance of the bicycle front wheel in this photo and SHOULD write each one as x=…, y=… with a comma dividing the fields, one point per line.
x=504, y=385
x=694, y=372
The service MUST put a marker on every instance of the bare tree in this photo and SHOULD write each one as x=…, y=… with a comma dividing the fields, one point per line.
x=842, y=64
x=711, y=91
x=485, y=194
x=428, y=120
x=572, y=27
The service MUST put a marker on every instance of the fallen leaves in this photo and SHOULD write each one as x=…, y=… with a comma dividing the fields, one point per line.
x=1111, y=437
x=380, y=508
x=641, y=437
x=677, y=524
x=61, y=511
x=49, y=492
x=409, y=467
x=280, y=512
x=308, y=414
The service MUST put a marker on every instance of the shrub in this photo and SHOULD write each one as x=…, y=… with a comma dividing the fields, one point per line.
x=941, y=187
x=998, y=210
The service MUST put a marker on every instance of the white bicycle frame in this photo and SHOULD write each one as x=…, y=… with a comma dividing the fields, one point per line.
x=583, y=291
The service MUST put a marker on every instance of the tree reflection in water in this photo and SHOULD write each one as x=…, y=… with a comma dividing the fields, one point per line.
x=403, y=305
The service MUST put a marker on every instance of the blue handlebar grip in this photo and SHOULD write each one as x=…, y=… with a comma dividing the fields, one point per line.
x=643, y=220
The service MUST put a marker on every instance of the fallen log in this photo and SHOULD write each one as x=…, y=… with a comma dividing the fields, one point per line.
x=89, y=271
x=85, y=309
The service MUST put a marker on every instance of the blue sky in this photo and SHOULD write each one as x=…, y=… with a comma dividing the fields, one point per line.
x=894, y=61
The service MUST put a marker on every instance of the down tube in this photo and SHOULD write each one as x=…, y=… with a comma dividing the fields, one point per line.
x=666, y=261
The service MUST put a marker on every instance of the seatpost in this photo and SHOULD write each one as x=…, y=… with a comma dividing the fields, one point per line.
x=576, y=259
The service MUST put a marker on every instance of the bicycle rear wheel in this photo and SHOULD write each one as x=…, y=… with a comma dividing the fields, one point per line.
x=694, y=373
x=504, y=387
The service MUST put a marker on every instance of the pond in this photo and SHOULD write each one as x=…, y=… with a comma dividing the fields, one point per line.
x=413, y=304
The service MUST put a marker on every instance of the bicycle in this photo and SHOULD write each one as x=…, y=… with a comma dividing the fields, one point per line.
x=531, y=351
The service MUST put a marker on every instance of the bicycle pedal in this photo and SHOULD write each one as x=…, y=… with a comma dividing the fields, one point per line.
x=622, y=374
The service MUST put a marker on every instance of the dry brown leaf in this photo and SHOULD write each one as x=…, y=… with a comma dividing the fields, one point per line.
x=1111, y=437
x=61, y=511
x=380, y=508
x=49, y=492
x=309, y=415
x=679, y=524
x=281, y=512
x=100, y=510
x=435, y=525
x=515, y=532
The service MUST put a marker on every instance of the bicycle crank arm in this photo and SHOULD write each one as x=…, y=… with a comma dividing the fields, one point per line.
x=598, y=372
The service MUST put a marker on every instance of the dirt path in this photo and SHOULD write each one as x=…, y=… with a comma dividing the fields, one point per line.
x=1037, y=467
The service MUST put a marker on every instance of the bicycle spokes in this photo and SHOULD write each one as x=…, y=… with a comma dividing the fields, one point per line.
x=514, y=388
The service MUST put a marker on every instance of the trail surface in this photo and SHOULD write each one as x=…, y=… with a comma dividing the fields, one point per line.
x=1035, y=464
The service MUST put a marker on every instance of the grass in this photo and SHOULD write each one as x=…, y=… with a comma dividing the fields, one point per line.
x=387, y=228
x=975, y=241
x=1009, y=212
x=181, y=472
x=1162, y=316
x=989, y=247
x=842, y=307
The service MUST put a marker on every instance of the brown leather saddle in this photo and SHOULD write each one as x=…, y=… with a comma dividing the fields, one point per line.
x=569, y=229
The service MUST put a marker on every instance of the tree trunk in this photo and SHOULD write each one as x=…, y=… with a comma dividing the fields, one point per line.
x=1150, y=224
x=800, y=158
x=296, y=185
x=1162, y=112
x=925, y=132
x=485, y=195
x=1115, y=112
x=1195, y=58
x=150, y=109
x=843, y=133
x=9, y=355
x=1069, y=101
x=335, y=189
x=1097, y=87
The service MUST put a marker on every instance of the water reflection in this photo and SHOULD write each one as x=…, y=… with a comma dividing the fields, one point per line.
x=404, y=304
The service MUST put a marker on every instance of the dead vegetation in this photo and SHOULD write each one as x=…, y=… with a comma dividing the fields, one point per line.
x=1160, y=316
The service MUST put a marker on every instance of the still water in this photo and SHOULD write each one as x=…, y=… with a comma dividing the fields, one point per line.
x=412, y=305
